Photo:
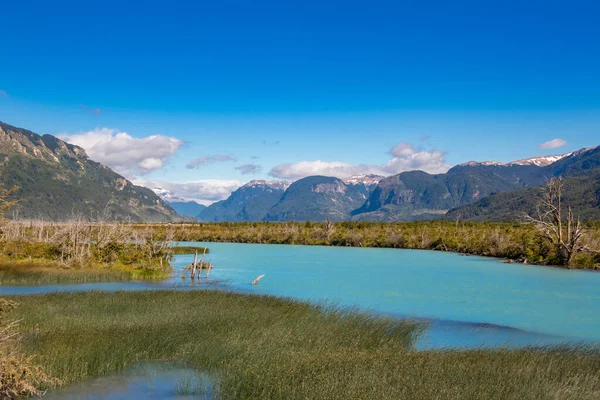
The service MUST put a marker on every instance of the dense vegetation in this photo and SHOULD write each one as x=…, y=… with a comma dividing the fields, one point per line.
x=516, y=241
x=79, y=251
x=261, y=347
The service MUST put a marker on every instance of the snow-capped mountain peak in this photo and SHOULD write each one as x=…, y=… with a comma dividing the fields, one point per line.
x=476, y=163
x=541, y=161
x=277, y=185
x=166, y=194
x=367, y=180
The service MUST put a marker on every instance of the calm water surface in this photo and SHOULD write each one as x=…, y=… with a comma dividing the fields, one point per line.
x=151, y=380
x=469, y=301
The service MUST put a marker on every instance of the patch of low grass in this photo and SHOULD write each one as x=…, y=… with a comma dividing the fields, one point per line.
x=179, y=250
x=41, y=271
x=267, y=347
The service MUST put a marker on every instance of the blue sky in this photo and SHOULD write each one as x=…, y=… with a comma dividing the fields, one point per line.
x=269, y=88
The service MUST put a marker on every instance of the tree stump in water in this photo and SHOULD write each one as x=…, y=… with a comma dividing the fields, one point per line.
x=193, y=274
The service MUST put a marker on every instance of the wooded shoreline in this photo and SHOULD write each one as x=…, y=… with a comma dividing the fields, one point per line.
x=519, y=242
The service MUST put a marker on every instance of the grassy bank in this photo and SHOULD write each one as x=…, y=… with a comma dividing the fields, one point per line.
x=505, y=240
x=37, y=252
x=43, y=271
x=265, y=347
x=179, y=250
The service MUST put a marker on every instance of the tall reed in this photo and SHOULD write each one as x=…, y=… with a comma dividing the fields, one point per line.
x=262, y=347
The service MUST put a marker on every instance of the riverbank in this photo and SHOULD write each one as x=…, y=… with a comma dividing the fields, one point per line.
x=38, y=252
x=512, y=241
x=40, y=271
x=268, y=347
x=43, y=272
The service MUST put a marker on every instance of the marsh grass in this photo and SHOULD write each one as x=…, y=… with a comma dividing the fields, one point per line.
x=181, y=250
x=267, y=347
x=40, y=271
x=78, y=251
x=189, y=385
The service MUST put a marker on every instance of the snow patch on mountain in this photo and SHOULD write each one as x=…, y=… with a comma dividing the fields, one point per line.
x=167, y=195
x=275, y=185
x=476, y=163
x=367, y=180
x=541, y=161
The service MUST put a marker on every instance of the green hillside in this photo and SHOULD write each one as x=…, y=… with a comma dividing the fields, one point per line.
x=57, y=181
x=581, y=192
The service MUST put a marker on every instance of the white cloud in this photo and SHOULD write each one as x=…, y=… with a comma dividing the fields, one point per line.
x=205, y=191
x=405, y=157
x=553, y=144
x=249, y=169
x=125, y=154
x=328, y=168
x=3, y=93
x=205, y=160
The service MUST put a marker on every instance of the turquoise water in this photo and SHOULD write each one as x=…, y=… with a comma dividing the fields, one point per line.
x=468, y=301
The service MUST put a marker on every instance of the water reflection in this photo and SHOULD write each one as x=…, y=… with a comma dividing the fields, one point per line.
x=150, y=380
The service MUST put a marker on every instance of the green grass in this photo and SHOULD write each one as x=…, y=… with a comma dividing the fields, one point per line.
x=179, y=250
x=41, y=271
x=266, y=347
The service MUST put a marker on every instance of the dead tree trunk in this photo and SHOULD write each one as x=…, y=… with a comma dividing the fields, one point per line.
x=193, y=274
x=201, y=264
x=563, y=231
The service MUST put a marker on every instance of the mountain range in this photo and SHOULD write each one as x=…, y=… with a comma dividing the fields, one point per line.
x=417, y=195
x=57, y=181
x=250, y=202
x=409, y=196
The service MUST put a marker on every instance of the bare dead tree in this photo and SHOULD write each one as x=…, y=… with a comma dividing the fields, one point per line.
x=329, y=229
x=563, y=229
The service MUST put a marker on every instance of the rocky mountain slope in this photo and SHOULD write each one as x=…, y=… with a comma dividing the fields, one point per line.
x=57, y=181
x=417, y=195
x=250, y=202
x=581, y=192
x=317, y=198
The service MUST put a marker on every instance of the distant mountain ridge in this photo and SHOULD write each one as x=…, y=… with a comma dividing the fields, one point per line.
x=408, y=196
x=261, y=200
x=417, y=195
x=540, y=161
x=317, y=198
x=581, y=192
x=250, y=202
x=57, y=181
x=188, y=208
